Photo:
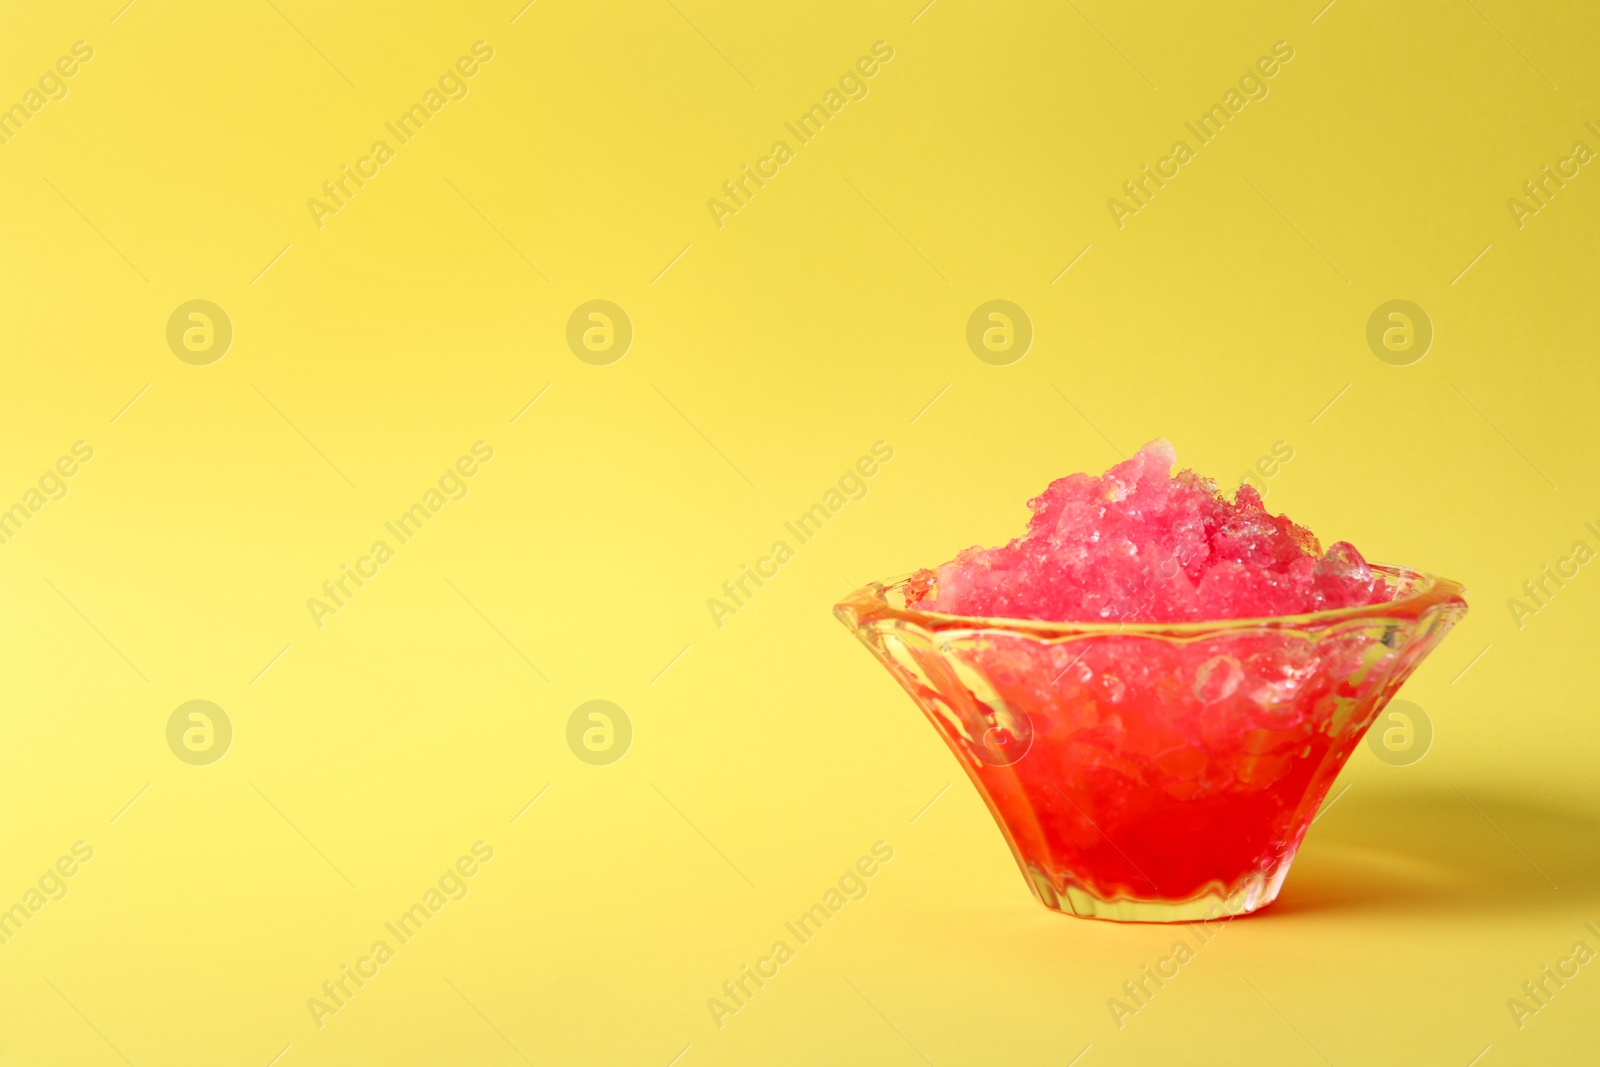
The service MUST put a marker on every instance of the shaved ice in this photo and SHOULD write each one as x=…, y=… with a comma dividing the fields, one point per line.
x=1140, y=544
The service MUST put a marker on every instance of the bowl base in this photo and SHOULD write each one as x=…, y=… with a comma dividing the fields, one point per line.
x=1253, y=894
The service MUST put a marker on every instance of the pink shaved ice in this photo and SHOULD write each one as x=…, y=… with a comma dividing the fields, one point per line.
x=1140, y=544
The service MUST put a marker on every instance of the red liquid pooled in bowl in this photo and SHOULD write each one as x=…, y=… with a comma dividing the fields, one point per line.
x=1149, y=769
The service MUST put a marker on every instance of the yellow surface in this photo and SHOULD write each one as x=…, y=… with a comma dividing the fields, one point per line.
x=371, y=753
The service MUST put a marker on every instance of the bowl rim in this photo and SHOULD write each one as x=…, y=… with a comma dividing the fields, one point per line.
x=1422, y=592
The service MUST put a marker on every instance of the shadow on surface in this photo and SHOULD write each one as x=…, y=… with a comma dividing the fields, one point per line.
x=1436, y=850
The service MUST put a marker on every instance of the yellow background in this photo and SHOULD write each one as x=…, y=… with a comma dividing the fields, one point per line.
x=768, y=355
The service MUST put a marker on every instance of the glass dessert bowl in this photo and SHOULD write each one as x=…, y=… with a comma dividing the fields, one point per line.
x=1154, y=771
